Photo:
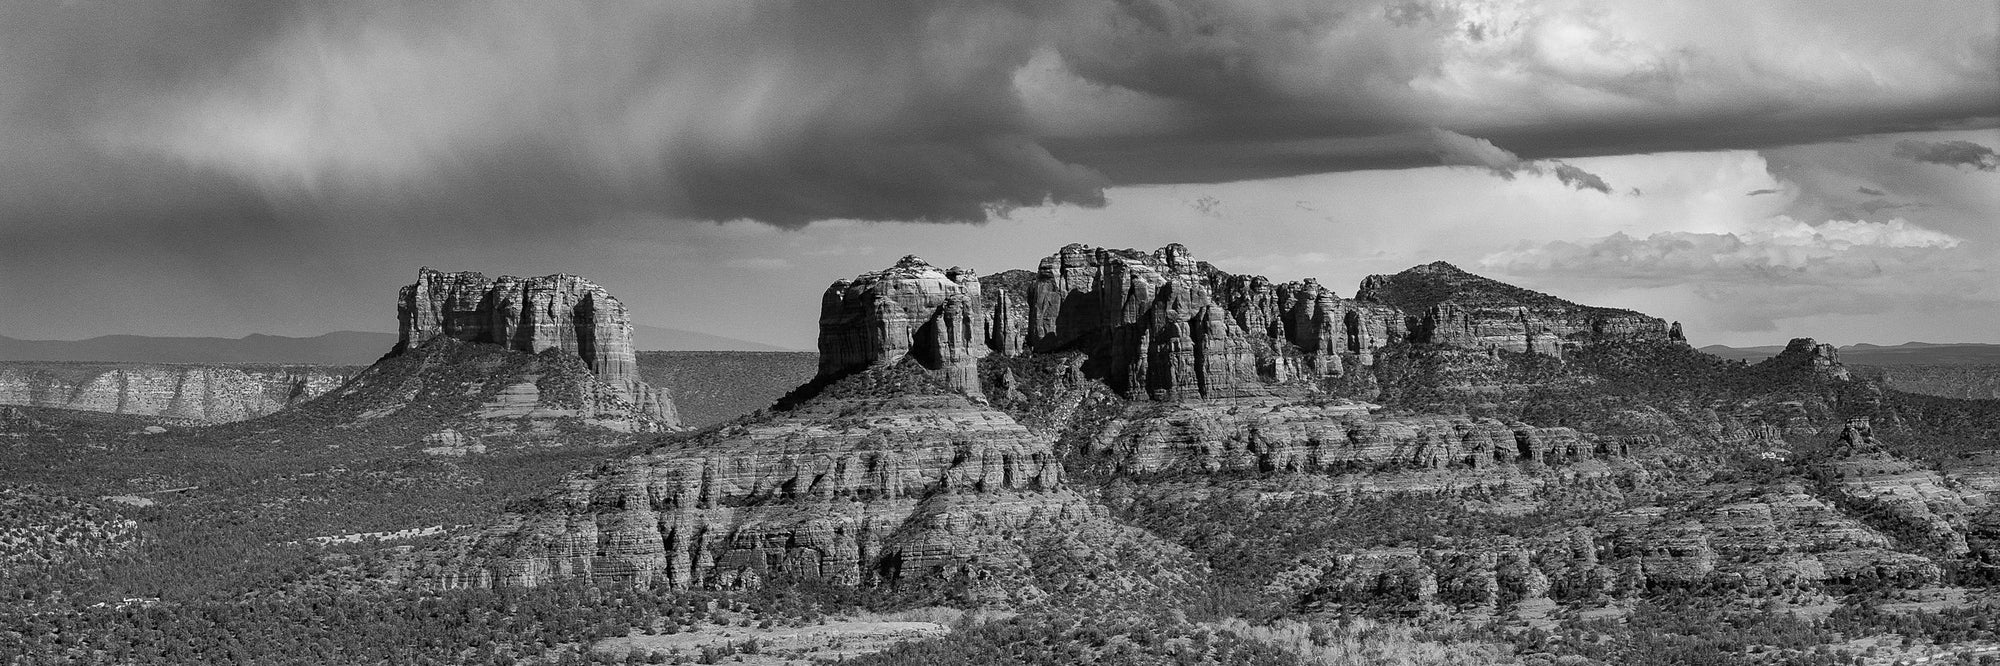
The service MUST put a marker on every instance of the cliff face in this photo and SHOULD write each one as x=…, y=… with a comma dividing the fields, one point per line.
x=212, y=393
x=1165, y=326
x=561, y=312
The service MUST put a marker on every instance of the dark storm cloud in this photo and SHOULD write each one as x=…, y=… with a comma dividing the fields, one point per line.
x=518, y=116
x=1949, y=153
x=1454, y=149
x=1284, y=88
x=1580, y=179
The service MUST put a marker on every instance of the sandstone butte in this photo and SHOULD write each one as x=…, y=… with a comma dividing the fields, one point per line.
x=505, y=362
x=898, y=463
x=562, y=312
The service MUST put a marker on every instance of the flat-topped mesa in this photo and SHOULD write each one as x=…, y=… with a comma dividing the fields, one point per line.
x=1450, y=307
x=911, y=310
x=532, y=315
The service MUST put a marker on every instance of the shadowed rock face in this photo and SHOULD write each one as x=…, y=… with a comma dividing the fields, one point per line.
x=531, y=315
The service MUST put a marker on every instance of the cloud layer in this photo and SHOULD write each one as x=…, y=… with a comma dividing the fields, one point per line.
x=793, y=111
x=1949, y=153
x=1454, y=149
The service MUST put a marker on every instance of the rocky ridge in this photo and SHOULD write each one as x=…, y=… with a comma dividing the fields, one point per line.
x=204, y=393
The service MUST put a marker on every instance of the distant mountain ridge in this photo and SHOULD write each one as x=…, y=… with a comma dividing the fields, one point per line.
x=336, y=348
x=1908, y=353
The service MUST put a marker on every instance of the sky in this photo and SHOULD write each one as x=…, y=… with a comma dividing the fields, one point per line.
x=1756, y=170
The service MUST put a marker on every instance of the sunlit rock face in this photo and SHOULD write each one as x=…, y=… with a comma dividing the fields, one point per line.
x=563, y=312
x=869, y=482
x=911, y=310
x=205, y=393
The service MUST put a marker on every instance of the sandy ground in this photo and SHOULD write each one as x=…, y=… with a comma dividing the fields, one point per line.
x=781, y=645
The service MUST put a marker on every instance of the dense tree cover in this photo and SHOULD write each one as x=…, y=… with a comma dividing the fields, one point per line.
x=40, y=527
x=550, y=625
x=1073, y=636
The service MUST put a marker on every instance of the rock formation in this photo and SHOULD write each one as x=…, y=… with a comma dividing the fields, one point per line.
x=911, y=310
x=1808, y=354
x=562, y=312
x=1164, y=326
x=207, y=393
x=878, y=479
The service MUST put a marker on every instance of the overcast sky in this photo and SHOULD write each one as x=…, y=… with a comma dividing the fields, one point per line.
x=1756, y=170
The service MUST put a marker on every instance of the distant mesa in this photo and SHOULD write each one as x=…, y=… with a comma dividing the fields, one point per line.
x=341, y=348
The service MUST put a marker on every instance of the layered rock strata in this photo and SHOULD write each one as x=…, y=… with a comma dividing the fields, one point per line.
x=562, y=312
x=1783, y=539
x=1929, y=512
x=206, y=393
x=859, y=485
x=1271, y=435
